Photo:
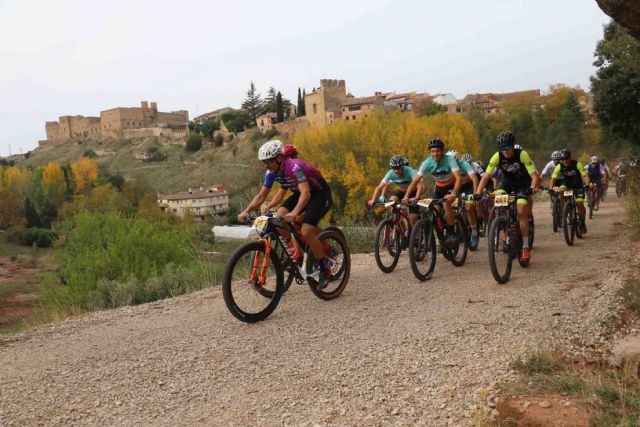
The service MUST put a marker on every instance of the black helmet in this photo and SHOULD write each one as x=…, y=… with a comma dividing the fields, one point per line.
x=436, y=143
x=602, y=160
x=505, y=139
x=565, y=154
x=397, y=161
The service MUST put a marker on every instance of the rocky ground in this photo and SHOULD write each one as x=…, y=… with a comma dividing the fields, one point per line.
x=390, y=350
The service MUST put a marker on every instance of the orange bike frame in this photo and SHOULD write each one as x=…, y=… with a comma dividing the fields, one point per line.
x=262, y=278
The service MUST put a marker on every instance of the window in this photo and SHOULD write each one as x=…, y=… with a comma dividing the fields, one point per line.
x=347, y=118
x=315, y=109
x=354, y=117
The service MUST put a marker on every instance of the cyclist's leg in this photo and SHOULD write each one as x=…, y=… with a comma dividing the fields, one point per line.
x=413, y=210
x=579, y=195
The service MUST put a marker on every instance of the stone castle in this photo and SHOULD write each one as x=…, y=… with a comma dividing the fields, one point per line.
x=116, y=123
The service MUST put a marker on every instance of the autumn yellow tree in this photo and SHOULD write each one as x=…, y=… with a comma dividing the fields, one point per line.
x=17, y=180
x=84, y=172
x=354, y=156
x=54, y=186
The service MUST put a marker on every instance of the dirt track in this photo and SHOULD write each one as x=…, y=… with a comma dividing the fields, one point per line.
x=390, y=350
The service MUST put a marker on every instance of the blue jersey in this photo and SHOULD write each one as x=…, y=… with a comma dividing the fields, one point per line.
x=403, y=180
x=595, y=172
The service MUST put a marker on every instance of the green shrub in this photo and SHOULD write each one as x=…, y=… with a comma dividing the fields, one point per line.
x=269, y=134
x=194, y=143
x=41, y=237
x=109, y=250
x=89, y=153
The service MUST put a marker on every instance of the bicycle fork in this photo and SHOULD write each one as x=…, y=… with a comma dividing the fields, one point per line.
x=261, y=277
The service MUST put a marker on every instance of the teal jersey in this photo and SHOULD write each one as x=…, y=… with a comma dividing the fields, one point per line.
x=465, y=168
x=403, y=180
x=441, y=171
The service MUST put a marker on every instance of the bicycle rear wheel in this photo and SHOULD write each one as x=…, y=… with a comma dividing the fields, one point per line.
x=422, y=250
x=500, y=259
x=245, y=296
x=387, y=246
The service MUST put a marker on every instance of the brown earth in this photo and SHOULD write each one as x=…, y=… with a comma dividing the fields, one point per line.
x=16, y=292
x=546, y=411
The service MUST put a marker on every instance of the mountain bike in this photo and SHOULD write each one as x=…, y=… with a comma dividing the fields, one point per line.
x=621, y=186
x=505, y=237
x=254, y=277
x=570, y=218
x=556, y=207
x=422, y=242
x=592, y=194
x=392, y=237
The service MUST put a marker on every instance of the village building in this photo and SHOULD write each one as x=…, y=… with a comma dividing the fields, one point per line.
x=200, y=203
x=215, y=114
x=323, y=105
x=491, y=103
x=266, y=121
x=115, y=123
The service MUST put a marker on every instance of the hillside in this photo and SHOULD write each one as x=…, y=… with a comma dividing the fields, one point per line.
x=234, y=164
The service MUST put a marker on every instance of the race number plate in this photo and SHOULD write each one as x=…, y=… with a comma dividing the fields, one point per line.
x=501, y=200
x=260, y=223
x=454, y=203
x=556, y=189
x=568, y=193
x=424, y=203
x=388, y=204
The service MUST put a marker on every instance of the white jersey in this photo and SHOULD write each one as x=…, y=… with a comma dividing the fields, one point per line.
x=476, y=168
x=549, y=168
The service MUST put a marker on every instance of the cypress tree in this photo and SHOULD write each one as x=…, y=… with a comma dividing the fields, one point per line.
x=299, y=104
x=304, y=108
x=279, y=108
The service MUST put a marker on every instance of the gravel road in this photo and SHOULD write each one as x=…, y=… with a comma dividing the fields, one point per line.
x=390, y=350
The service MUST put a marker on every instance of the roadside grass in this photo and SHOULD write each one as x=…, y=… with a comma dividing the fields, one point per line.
x=614, y=393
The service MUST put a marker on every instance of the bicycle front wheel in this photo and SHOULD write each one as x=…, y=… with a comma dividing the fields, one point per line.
x=500, y=259
x=422, y=250
x=387, y=246
x=568, y=224
x=555, y=213
x=250, y=295
x=458, y=255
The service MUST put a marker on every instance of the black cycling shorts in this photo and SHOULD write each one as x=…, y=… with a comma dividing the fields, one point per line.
x=440, y=192
x=316, y=209
x=519, y=186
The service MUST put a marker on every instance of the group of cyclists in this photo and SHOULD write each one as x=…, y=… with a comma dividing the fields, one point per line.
x=509, y=171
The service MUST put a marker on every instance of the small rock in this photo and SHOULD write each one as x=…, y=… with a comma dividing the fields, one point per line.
x=544, y=404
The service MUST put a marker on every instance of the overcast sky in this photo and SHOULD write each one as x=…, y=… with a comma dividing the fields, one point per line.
x=70, y=57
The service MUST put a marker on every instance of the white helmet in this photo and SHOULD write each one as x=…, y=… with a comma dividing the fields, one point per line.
x=595, y=159
x=518, y=147
x=453, y=153
x=270, y=149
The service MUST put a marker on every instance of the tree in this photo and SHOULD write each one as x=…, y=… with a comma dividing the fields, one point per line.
x=253, y=104
x=279, y=108
x=300, y=104
x=31, y=214
x=10, y=209
x=304, y=107
x=426, y=107
x=85, y=173
x=236, y=121
x=269, y=105
x=208, y=127
x=567, y=129
x=194, y=143
x=616, y=85
x=89, y=153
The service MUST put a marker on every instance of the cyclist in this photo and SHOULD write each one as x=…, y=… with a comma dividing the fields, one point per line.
x=477, y=167
x=595, y=174
x=469, y=185
x=574, y=173
x=549, y=168
x=310, y=201
x=606, y=176
x=290, y=151
x=448, y=182
x=519, y=175
x=401, y=175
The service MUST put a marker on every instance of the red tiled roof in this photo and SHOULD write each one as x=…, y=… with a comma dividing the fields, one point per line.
x=213, y=190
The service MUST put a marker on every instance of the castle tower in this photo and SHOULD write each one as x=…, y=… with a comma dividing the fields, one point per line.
x=323, y=105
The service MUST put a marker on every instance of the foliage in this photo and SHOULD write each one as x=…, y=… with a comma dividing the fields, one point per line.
x=11, y=209
x=194, y=143
x=616, y=85
x=218, y=139
x=300, y=104
x=279, y=108
x=85, y=173
x=353, y=156
x=89, y=153
x=41, y=237
x=123, y=249
x=253, y=104
x=54, y=185
x=206, y=128
x=270, y=133
x=30, y=214
x=154, y=151
x=236, y=121
x=426, y=107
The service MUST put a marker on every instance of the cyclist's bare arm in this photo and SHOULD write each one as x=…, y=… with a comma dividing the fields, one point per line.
x=421, y=188
x=255, y=203
x=414, y=184
x=277, y=198
x=380, y=190
x=475, y=180
x=456, y=188
x=483, y=183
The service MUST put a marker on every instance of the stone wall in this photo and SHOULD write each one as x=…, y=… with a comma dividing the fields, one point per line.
x=68, y=127
x=325, y=99
x=173, y=134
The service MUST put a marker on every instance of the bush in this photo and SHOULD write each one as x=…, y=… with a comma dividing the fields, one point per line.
x=89, y=153
x=41, y=237
x=126, y=254
x=218, y=139
x=194, y=143
x=269, y=134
